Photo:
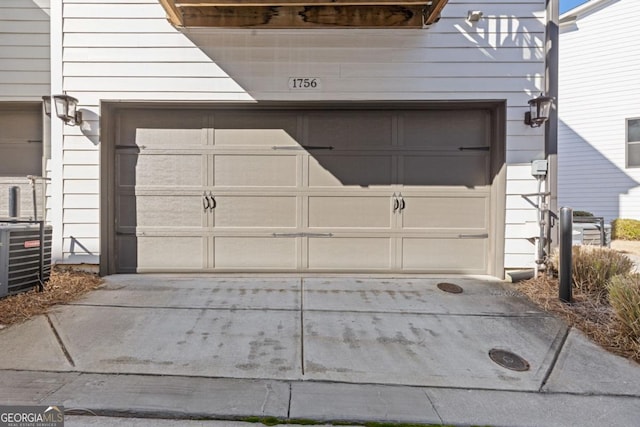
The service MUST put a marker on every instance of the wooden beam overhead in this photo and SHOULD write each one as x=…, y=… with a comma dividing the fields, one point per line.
x=433, y=13
x=254, y=3
x=173, y=14
x=303, y=13
x=304, y=17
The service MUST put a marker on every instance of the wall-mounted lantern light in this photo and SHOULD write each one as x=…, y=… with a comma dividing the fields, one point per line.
x=538, y=111
x=46, y=100
x=67, y=109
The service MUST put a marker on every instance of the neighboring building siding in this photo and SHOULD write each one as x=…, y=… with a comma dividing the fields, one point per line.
x=24, y=50
x=24, y=79
x=599, y=89
x=126, y=50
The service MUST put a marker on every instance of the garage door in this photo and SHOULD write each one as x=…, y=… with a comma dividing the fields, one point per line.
x=303, y=190
x=20, y=154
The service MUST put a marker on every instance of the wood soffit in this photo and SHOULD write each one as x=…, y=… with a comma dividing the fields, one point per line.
x=303, y=13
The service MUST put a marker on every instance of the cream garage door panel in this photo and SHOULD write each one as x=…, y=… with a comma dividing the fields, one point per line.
x=348, y=129
x=349, y=253
x=304, y=190
x=254, y=170
x=350, y=211
x=160, y=195
x=444, y=173
x=443, y=254
x=466, y=170
x=20, y=153
x=171, y=212
x=161, y=167
x=444, y=129
x=255, y=211
x=465, y=212
x=21, y=158
x=20, y=140
x=256, y=253
x=169, y=253
x=271, y=138
x=156, y=211
x=350, y=169
x=169, y=170
x=162, y=128
x=246, y=128
x=169, y=138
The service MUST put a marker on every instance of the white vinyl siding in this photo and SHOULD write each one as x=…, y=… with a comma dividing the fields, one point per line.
x=126, y=50
x=24, y=50
x=599, y=90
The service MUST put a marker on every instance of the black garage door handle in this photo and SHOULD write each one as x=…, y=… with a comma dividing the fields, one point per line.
x=205, y=202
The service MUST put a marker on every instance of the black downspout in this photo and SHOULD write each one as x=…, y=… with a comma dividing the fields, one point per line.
x=551, y=127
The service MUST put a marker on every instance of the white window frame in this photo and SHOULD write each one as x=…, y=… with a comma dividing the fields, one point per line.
x=627, y=142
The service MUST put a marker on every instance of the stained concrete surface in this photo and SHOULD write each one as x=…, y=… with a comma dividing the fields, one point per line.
x=354, y=402
x=165, y=348
x=414, y=295
x=32, y=345
x=179, y=397
x=170, y=341
x=433, y=350
x=31, y=387
x=357, y=331
x=195, y=291
x=584, y=367
x=508, y=409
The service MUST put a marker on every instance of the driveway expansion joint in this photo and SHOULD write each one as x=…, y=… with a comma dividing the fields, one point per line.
x=289, y=404
x=66, y=353
x=433, y=406
x=552, y=365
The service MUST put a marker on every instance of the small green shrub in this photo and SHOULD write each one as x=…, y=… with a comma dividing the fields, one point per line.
x=582, y=213
x=624, y=296
x=625, y=229
x=594, y=266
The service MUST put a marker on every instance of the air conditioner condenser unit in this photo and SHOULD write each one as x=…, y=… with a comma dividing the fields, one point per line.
x=21, y=263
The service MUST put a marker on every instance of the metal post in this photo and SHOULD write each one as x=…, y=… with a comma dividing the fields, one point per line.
x=32, y=179
x=41, y=269
x=14, y=202
x=552, y=37
x=566, y=262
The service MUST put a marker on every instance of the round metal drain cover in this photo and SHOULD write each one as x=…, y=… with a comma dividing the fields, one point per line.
x=450, y=287
x=509, y=360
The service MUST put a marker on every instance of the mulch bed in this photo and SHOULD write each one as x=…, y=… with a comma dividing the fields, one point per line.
x=595, y=319
x=63, y=287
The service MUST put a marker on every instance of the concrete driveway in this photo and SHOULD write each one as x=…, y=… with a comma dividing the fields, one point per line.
x=345, y=330
x=392, y=331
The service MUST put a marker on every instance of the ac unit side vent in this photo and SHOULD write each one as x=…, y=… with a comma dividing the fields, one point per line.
x=20, y=257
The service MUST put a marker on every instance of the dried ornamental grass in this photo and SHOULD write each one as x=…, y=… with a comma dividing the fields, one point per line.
x=624, y=296
x=594, y=266
x=595, y=318
x=62, y=287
